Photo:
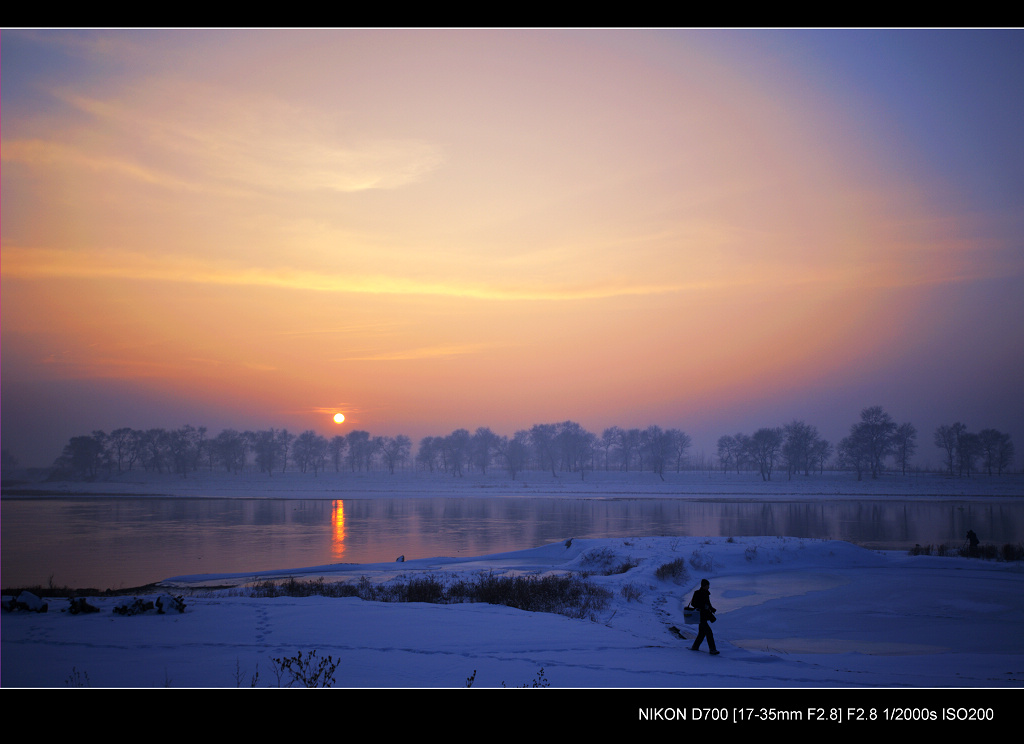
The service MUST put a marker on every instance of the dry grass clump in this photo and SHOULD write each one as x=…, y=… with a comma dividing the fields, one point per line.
x=565, y=594
x=673, y=571
x=1009, y=551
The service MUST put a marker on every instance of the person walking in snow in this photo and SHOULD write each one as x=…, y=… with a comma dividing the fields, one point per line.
x=702, y=602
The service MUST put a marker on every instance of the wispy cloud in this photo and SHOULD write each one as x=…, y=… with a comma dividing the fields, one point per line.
x=200, y=138
x=38, y=263
x=40, y=153
x=937, y=266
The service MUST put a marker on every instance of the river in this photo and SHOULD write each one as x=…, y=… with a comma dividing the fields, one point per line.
x=125, y=542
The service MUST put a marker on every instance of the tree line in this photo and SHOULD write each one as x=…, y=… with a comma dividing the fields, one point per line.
x=876, y=442
x=559, y=447
x=562, y=447
x=188, y=448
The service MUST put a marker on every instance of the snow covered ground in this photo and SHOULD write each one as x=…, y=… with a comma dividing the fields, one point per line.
x=792, y=614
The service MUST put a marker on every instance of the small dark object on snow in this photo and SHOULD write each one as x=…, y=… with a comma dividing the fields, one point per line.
x=166, y=603
x=400, y=559
x=135, y=607
x=79, y=606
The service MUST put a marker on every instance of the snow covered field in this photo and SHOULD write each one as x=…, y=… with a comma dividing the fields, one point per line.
x=793, y=614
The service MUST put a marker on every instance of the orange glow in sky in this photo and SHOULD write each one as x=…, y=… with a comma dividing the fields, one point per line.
x=442, y=229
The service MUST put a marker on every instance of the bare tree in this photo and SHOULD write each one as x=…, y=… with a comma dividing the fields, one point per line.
x=681, y=443
x=154, y=449
x=229, y=449
x=870, y=441
x=395, y=450
x=609, y=440
x=83, y=456
x=318, y=457
x=575, y=446
x=284, y=444
x=266, y=449
x=800, y=447
x=961, y=446
x=456, y=450
x=186, y=447
x=429, y=452
x=337, y=447
x=996, y=450
x=822, y=451
x=515, y=451
x=544, y=438
x=727, y=452
x=854, y=453
x=629, y=445
x=879, y=428
x=360, y=449
x=309, y=451
x=764, y=448
x=123, y=446
x=945, y=439
x=483, y=445
x=733, y=451
x=874, y=438
x=904, y=445
x=968, y=449
x=658, y=448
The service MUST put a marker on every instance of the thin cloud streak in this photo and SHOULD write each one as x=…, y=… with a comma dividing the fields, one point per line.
x=938, y=266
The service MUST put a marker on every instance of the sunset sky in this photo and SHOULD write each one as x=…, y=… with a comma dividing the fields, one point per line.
x=428, y=230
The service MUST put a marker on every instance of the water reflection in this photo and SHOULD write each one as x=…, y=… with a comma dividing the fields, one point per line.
x=128, y=542
x=338, y=523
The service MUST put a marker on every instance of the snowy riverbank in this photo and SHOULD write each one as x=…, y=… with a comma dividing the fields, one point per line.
x=792, y=614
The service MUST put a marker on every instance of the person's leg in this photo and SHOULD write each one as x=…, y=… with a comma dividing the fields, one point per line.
x=702, y=631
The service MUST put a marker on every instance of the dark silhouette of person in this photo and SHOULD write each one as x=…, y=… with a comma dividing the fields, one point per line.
x=702, y=602
x=973, y=540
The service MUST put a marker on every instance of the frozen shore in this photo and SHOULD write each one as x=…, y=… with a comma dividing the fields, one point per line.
x=793, y=613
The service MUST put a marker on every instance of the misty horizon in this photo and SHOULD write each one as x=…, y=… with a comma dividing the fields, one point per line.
x=875, y=444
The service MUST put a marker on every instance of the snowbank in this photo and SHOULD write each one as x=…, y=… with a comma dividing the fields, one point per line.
x=792, y=614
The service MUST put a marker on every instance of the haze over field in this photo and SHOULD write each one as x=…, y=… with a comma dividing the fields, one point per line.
x=427, y=230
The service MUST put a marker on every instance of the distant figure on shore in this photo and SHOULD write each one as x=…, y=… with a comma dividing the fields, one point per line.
x=702, y=602
x=973, y=540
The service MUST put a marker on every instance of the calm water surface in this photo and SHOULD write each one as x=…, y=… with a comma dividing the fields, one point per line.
x=126, y=542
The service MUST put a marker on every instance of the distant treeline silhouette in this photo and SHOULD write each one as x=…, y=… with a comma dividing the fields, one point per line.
x=875, y=443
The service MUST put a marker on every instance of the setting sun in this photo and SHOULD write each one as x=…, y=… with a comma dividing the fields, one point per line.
x=339, y=418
